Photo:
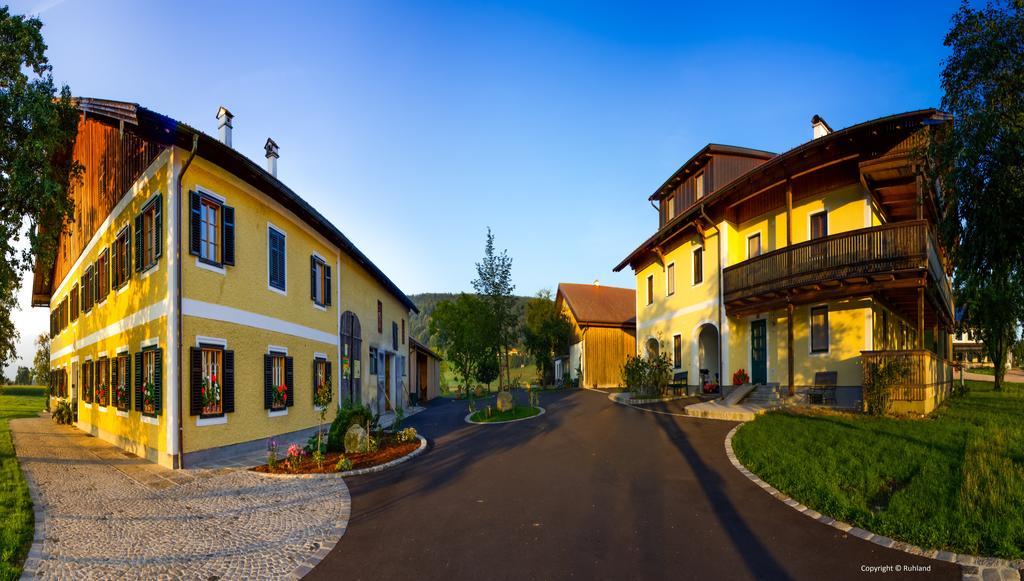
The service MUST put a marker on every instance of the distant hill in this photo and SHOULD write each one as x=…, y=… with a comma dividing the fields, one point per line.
x=419, y=325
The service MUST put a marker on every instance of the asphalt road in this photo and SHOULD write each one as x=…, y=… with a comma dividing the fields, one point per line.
x=590, y=490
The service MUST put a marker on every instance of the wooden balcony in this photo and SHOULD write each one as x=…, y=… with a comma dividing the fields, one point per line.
x=891, y=260
x=928, y=377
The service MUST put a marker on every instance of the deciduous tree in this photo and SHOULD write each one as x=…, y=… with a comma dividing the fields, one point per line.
x=545, y=334
x=41, y=363
x=38, y=126
x=464, y=332
x=494, y=285
x=978, y=161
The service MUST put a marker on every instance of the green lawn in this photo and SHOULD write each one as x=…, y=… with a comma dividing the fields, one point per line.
x=952, y=481
x=15, y=504
x=522, y=375
x=517, y=413
x=980, y=370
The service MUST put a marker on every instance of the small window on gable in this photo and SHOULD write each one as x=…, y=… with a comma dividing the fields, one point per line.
x=320, y=281
x=121, y=268
x=698, y=186
x=148, y=235
x=754, y=245
x=670, y=207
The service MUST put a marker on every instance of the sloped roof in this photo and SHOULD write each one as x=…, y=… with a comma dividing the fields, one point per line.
x=592, y=304
x=169, y=131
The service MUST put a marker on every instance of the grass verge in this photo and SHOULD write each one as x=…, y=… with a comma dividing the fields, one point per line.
x=517, y=413
x=953, y=481
x=15, y=504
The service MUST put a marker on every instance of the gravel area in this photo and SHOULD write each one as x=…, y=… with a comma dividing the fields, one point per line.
x=106, y=514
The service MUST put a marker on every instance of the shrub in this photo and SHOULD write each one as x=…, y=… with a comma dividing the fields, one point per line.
x=62, y=414
x=647, y=377
x=348, y=414
x=406, y=435
x=878, y=386
x=314, y=443
x=343, y=464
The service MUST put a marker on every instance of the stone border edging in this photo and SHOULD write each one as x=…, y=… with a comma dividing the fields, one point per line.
x=962, y=560
x=360, y=471
x=469, y=421
x=35, y=551
x=306, y=565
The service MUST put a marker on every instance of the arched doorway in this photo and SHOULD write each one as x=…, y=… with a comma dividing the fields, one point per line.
x=707, y=353
x=653, y=348
x=351, y=386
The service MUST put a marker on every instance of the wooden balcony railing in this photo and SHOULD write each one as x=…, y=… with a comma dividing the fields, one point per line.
x=900, y=247
x=924, y=369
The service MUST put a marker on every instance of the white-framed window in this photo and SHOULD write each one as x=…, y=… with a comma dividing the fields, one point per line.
x=670, y=279
x=320, y=281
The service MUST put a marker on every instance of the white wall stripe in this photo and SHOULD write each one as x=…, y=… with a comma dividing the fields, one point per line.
x=204, y=310
x=139, y=317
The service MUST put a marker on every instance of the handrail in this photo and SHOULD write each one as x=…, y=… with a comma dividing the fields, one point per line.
x=897, y=246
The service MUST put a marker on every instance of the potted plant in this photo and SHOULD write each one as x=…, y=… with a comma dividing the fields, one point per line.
x=121, y=396
x=211, y=394
x=101, y=394
x=149, y=398
x=740, y=377
x=280, y=398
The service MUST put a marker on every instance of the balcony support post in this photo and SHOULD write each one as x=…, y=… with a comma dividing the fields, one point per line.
x=920, y=317
x=789, y=346
x=789, y=227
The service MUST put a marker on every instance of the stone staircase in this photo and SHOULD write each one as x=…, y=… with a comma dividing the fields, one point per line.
x=770, y=394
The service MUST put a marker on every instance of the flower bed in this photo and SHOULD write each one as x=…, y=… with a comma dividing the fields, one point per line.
x=307, y=465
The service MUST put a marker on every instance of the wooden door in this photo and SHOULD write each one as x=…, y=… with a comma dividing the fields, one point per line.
x=422, y=382
x=758, y=351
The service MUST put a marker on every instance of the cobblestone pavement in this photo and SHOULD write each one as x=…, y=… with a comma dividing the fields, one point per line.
x=109, y=515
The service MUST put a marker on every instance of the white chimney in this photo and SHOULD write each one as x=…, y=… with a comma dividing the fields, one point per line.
x=597, y=282
x=819, y=126
x=224, y=118
x=271, y=149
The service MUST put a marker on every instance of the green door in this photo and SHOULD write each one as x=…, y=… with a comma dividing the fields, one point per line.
x=758, y=352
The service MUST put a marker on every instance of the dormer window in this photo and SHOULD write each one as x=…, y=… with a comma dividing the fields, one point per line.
x=698, y=185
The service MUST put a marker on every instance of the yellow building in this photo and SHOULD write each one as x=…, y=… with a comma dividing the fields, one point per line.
x=197, y=303
x=820, y=260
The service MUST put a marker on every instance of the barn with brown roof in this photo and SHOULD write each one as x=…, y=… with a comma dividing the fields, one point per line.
x=604, y=332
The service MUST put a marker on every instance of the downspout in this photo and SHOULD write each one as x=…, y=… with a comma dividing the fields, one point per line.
x=177, y=296
x=721, y=307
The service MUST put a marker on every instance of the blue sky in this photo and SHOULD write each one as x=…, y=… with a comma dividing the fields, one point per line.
x=415, y=125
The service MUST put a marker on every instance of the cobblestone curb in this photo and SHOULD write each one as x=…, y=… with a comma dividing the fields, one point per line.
x=35, y=552
x=973, y=568
x=469, y=421
x=347, y=473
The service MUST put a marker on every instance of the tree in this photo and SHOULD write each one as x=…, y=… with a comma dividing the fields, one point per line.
x=494, y=284
x=978, y=160
x=41, y=363
x=464, y=332
x=545, y=334
x=23, y=376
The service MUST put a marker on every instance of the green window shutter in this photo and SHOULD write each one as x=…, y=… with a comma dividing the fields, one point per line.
x=289, y=380
x=138, y=381
x=138, y=243
x=228, y=235
x=158, y=227
x=268, y=381
x=195, y=381
x=327, y=285
x=228, y=382
x=158, y=379
x=312, y=278
x=194, y=223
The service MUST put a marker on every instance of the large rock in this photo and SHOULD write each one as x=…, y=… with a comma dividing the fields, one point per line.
x=504, y=401
x=356, y=439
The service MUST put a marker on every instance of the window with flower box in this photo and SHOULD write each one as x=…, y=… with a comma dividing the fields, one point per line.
x=120, y=381
x=149, y=381
x=212, y=381
x=322, y=390
x=278, y=381
x=87, y=380
x=102, y=381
